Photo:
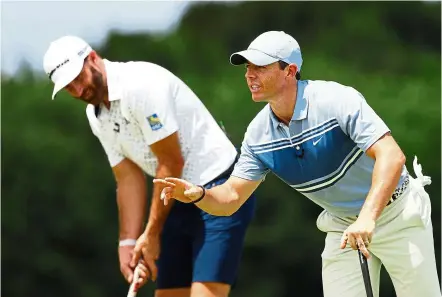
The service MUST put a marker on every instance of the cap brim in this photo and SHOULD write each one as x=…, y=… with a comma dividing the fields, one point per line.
x=66, y=75
x=253, y=56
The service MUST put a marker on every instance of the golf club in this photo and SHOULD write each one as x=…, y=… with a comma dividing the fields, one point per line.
x=133, y=289
x=365, y=273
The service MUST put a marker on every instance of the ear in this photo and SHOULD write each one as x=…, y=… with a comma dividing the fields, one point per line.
x=95, y=60
x=93, y=57
x=291, y=70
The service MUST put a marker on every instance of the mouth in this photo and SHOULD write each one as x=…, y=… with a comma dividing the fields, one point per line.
x=254, y=88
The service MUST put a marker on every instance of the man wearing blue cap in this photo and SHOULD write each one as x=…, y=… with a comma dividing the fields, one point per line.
x=325, y=141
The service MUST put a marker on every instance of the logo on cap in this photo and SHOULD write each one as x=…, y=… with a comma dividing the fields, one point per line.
x=80, y=53
x=56, y=67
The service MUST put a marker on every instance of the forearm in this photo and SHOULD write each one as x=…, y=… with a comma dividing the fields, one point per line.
x=131, y=200
x=158, y=211
x=386, y=174
x=221, y=200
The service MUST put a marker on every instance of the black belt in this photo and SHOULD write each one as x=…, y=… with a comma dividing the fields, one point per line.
x=399, y=191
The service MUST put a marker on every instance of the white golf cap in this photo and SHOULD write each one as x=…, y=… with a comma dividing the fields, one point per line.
x=64, y=60
x=270, y=47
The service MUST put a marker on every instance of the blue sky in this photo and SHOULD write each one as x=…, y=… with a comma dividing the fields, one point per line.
x=28, y=27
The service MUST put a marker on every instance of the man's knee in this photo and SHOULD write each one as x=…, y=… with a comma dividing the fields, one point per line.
x=179, y=292
x=209, y=289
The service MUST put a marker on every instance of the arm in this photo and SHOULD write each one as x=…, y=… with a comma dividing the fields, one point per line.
x=131, y=192
x=170, y=163
x=226, y=199
x=389, y=160
x=154, y=112
x=360, y=122
x=131, y=201
x=131, y=187
x=222, y=200
x=131, y=198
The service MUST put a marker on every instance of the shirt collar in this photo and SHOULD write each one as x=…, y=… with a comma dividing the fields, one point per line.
x=301, y=106
x=113, y=80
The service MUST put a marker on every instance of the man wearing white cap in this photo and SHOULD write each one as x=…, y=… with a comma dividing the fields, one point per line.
x=149, y=121
x=324, y=140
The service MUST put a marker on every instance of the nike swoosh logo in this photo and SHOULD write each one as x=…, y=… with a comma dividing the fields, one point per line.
x=316, y=141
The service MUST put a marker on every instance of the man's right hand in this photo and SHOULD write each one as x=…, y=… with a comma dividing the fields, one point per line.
x=179, y=189
x=125, y=255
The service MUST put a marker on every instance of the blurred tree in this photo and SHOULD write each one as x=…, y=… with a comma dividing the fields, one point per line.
x=59, y=218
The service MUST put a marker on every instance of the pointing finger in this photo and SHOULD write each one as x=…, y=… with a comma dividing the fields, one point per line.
x=178, y=182
x=163, y=182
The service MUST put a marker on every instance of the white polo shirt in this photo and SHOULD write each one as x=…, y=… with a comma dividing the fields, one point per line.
x=149, y=103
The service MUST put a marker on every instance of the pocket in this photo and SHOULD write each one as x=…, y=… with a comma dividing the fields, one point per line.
x=327, y=222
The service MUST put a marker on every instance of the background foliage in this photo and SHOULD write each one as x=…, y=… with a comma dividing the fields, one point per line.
x=59, y=217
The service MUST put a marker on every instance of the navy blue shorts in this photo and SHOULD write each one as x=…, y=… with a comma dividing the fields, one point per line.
x=199, y=247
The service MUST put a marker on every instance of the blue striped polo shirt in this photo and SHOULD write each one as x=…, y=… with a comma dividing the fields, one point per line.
x=321, y=153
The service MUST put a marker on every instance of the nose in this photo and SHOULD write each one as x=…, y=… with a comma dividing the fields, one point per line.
x=250, y=73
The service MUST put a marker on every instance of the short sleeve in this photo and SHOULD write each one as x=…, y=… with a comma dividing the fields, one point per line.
x=357, y=119
x=154, y=110
x=114, y=155
x=249, y=166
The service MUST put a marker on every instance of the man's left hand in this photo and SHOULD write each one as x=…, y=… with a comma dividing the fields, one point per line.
x=148, y=249
x=359, y=235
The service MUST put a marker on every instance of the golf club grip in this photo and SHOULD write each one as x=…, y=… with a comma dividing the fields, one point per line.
x=365, y=273
x=133, y=289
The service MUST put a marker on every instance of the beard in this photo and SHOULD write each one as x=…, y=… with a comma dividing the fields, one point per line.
x=94, y=94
